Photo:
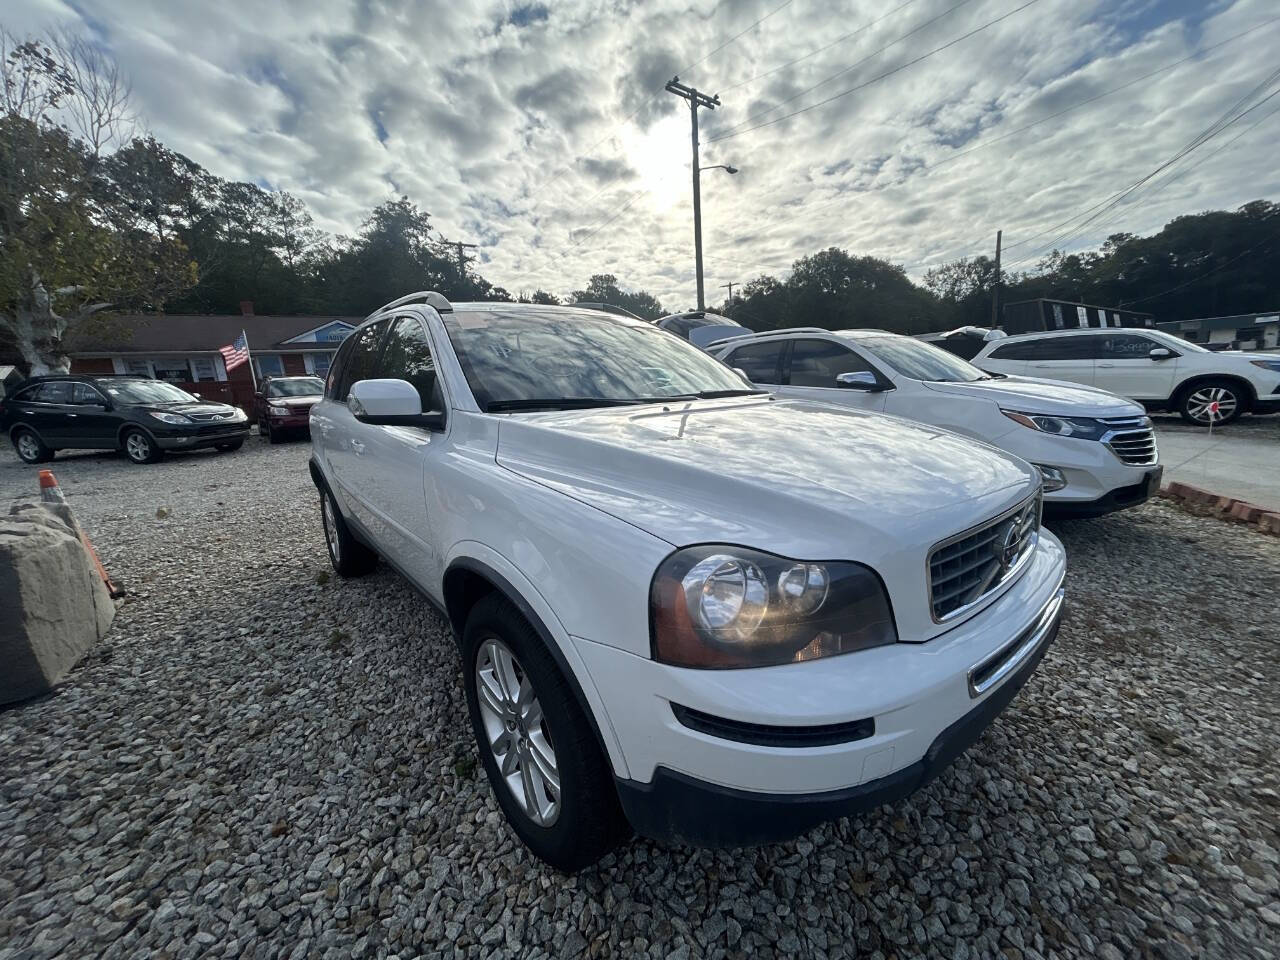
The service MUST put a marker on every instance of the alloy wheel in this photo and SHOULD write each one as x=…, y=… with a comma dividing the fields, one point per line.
x=1211, y=404
x=516, y=732
x=330, y=530
x=138, y=447
x=28, y=447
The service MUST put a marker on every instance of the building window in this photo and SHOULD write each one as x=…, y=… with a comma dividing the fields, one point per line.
x=269, y=365
x=137, y=368
x=318, y=363
x=173, y=369
x=202, y=368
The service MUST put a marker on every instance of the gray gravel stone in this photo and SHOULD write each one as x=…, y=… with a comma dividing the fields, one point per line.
x=265, y=755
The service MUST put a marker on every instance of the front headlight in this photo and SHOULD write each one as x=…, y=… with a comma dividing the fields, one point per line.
x=717, y=607
x=277, y=411
x=1273, y=365
x=1081, y=428
x=240, y=414
x=171, y=417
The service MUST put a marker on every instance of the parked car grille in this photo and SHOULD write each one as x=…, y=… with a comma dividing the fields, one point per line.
x=203, y=417
x=1132, y=440
x=966, y=568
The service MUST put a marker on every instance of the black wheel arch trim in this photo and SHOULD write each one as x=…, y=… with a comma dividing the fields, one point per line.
x=133, y=425
x=504, y=587
x=13, y=433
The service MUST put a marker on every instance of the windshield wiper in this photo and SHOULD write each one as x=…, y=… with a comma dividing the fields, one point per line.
x=712, y=395
x=555, y=403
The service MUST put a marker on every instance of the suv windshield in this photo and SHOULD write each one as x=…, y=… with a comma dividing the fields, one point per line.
x=302, y=387
x=921, y=361
x=535, y=359
x=144, y=391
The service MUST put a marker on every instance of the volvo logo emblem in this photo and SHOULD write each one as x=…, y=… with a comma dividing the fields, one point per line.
x=1006, y=550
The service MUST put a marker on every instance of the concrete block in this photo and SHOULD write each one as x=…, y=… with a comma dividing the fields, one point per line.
x=1248, y=512
x=55, y=605
x=1270, y=523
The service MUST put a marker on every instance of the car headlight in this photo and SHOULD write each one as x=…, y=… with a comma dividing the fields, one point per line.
x=1273, y=365
x=717, y=606
x=277, y=411
x=171, y=417
x=240, y=414
x=1081, y=428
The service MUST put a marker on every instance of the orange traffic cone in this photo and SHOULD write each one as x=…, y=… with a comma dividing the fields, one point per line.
x=50, y=492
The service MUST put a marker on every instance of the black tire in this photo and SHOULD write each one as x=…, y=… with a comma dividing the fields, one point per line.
x=589, y=821
x=30, y=447
x=272, y=436
x=350, y=557
x=229, y=445
x=1194, y=402
x=139, y=447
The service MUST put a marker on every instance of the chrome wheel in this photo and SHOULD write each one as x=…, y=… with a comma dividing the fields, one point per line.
x=330, y=530
x=1211, y=405
x=138, y=447
x=28, y=447
x=516, y=733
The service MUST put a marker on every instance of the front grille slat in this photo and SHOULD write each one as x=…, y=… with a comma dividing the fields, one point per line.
x=1137, y=447
x=967, y=568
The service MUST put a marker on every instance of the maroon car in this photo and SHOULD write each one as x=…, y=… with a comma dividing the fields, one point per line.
x=283, y=405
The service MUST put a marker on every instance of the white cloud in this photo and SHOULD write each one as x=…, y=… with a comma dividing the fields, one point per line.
x=526, y=126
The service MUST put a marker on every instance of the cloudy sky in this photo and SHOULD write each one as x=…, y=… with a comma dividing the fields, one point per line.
x=541, y=131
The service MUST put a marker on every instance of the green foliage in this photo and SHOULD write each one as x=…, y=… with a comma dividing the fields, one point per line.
x=603, y=288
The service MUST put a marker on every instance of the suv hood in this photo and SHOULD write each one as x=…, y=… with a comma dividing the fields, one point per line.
x=803, y=479
x=310, y=400
x=1053, y=397
x=198, y=408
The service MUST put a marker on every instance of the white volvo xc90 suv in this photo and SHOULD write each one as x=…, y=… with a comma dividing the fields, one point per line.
x=682, y=605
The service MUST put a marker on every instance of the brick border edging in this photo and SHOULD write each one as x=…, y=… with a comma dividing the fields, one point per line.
x=1227, y=508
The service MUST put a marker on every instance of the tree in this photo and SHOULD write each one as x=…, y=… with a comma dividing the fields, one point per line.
x=603, y=288
x=541, y=296
x=72, y=242
x=834, y=290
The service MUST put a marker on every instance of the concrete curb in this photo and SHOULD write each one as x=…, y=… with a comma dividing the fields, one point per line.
x=1206, y=503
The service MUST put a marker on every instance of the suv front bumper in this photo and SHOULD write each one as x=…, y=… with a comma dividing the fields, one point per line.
x=792, y=745
x=675, y=807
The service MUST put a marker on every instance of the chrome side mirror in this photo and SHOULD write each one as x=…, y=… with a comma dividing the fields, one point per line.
x=1160, y=353
x=858, y=380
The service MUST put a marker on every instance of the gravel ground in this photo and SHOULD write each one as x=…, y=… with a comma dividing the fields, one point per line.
x=263, y=761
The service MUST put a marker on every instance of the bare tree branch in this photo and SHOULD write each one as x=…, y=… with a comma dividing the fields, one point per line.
x=99, y=108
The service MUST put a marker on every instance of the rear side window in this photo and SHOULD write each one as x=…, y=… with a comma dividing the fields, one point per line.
x=407, y=356
x=759, y=361
x=360, y=361
x=817, y=363
x=1047, y=348
x=27, y=395
x=58, y=391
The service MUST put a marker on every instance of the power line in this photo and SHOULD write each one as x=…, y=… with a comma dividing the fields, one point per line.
x=808, y=209
x=1099, y=209
x=814, y=53
x=736, y=36
x=1183, y=286
x=875, y=53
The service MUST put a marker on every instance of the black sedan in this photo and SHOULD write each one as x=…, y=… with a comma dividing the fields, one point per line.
x=142, y=417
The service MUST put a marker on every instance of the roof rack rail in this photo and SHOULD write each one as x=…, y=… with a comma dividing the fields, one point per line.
x=606, y=308
x=737, y=336
x=429, y=297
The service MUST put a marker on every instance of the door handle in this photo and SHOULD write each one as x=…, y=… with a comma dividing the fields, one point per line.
x=357, y=446
x=1107, y=365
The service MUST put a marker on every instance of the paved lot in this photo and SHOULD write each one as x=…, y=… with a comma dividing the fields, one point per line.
x=1240, y=460
x=262, y=761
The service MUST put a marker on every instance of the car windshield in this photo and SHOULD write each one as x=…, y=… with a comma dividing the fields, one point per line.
x=302, y=387
x=144, y=391
x=544, y=359
x=918, y=360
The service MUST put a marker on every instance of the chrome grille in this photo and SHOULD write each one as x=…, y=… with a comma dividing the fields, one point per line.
x=966, y=568
x=202, y=417
x=1132, y=440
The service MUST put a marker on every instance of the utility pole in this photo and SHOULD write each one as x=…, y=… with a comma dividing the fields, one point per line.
x=696, y=100
x=462, y=257
x=995, y=293
x=730, y=286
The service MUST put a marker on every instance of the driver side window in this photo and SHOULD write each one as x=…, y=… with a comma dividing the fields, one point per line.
x=407, y=356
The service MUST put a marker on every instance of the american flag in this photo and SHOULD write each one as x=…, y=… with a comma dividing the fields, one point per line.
x=235, y=353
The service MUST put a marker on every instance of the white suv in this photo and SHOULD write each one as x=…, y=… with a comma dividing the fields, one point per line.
x=1161, y=371
x=681, y=604
x=1097, y=451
